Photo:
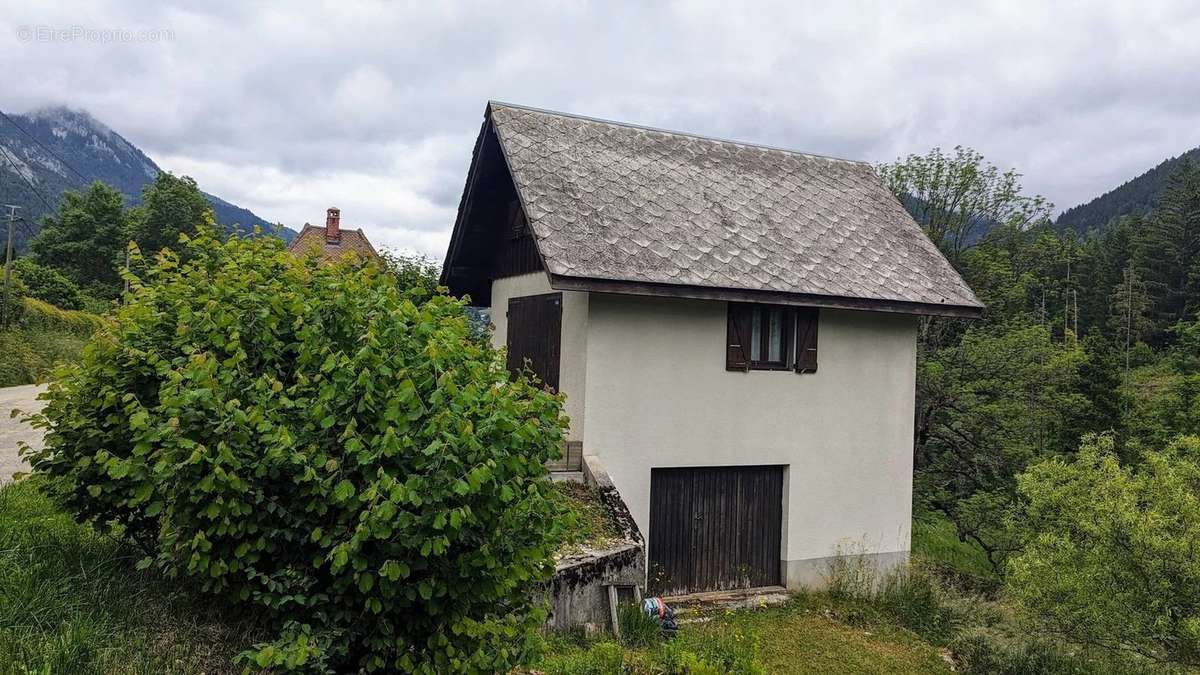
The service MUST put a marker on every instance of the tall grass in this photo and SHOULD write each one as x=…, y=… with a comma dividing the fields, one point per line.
x=71, y=602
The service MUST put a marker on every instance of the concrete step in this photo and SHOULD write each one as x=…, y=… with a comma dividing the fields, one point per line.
x=567, y=476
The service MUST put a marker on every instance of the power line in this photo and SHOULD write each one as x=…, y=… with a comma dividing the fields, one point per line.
x=17, y=170
x=43, y=146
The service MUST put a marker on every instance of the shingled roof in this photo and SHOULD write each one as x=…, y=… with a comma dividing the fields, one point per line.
x=332, y=242
x=621, y=208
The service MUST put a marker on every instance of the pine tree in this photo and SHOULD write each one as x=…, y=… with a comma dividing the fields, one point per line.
x=1169, y=249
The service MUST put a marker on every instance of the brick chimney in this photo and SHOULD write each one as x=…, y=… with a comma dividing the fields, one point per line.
x=333, y=222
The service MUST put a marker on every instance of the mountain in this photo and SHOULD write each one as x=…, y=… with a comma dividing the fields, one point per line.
x=80, y=150
x=1138, y=196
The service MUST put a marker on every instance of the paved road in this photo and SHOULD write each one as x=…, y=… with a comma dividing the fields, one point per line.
x=12, y=429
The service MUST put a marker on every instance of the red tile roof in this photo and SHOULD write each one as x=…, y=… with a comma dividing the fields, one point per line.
x=313, y=236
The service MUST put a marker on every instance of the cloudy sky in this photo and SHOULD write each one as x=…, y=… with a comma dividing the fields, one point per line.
x=286, y=108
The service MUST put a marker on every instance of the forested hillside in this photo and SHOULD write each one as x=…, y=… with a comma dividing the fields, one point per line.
x=1059, y=433
x=55, y=149
x=1135, y=197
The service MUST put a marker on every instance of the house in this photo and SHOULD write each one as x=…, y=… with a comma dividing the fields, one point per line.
x=332, y=242
x=734, y=327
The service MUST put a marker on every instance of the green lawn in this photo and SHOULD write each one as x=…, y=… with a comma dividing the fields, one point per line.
x=70, y=602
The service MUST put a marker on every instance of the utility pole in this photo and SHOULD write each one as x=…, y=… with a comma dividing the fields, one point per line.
x=8, y=251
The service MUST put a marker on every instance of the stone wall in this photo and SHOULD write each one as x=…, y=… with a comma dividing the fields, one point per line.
x=579, y=590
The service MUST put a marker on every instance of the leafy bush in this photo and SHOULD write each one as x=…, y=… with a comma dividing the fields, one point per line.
x=307, y=440
x=415, y=272
x=48, y=284
x=1110, y=552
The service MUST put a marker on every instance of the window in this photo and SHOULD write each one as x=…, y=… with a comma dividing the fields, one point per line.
x=771, y=337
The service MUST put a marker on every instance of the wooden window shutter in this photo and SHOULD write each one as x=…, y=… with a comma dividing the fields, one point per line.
x=807, y=319
x=737, y=337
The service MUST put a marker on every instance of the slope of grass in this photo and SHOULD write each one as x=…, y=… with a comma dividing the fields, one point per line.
x=29, y=355
x=934, y=538
x=71, y=602
x=43, y=338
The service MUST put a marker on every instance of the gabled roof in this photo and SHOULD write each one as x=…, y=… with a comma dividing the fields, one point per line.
x=313, y=236
x=621, y=208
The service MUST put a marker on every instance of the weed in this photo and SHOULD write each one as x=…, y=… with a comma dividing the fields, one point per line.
x=638, y=629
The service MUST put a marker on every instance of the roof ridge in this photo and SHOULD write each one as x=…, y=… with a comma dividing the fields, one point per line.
x=673, y=132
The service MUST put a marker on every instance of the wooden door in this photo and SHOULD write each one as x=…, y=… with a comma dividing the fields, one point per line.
x=715, y=528
x=534, y=334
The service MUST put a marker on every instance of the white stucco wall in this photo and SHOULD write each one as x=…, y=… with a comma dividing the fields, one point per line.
x=572, y=372
x=657, y=395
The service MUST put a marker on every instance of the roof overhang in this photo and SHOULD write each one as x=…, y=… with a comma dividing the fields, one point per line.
x=616, y=286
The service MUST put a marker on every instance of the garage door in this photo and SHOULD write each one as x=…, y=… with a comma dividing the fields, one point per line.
x=715, y=528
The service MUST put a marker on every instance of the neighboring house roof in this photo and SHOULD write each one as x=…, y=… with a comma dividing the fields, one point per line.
x=314, y=236
x=623, y=208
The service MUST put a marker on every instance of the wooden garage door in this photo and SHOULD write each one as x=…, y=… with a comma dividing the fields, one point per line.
x=534, y=331
x=715, y=528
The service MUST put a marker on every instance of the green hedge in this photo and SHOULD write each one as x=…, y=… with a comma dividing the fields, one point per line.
x=310, y=442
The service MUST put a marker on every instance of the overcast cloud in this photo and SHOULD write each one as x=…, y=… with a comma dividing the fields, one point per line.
x=286, y=108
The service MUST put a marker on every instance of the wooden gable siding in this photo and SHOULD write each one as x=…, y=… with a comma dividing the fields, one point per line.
x=516, y=251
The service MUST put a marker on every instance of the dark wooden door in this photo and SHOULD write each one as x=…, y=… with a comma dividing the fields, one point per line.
x=534, y=334
x=715, y=528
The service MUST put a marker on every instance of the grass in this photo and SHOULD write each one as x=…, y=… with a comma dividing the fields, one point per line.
x=806, y=635
x=906, y=622
x=71, y=602
x=935, y=540
x=594, y=525
x=29, y=355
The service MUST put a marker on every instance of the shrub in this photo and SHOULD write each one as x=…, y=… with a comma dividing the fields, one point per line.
x=1110, y=552
x=307, y=440
x=985, y=653
x=39, y=314
x=29, y=355
x=48, y=284
x=12, y=302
